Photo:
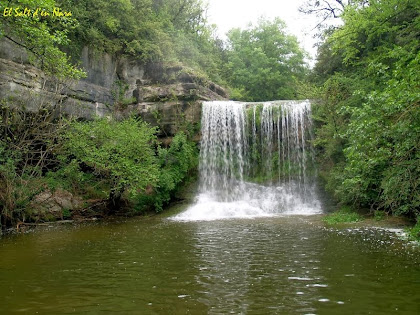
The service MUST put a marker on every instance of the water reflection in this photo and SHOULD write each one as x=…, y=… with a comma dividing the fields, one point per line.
x=291, y=266
x=134, y=267
x=259, y=266
x=282, y=265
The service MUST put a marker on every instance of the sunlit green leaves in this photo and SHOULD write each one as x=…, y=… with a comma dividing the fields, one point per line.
x=42, y=37
x=175, y=163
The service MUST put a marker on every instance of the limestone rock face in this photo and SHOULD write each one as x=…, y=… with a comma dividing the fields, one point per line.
x=164, y=96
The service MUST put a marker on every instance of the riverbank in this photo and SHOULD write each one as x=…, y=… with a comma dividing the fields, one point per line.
x=180, y=201
x=401, y=226
x=345, y=218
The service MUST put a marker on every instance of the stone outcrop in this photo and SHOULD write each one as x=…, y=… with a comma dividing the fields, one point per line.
x=55, y=205
x=164, y=96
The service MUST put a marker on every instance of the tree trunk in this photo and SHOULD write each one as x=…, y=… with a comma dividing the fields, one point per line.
x=114, y=200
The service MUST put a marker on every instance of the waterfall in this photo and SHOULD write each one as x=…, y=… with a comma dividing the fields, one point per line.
x=255, y=160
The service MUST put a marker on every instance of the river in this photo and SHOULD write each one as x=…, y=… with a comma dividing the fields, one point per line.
x=277, y=265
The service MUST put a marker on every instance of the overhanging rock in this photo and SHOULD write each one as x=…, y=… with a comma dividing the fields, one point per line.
x=168, y=97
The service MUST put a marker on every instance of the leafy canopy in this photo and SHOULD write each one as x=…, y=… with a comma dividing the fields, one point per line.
x=42, y=37
x=264, y=63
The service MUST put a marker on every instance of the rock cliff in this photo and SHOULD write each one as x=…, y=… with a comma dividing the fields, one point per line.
x=164, y=96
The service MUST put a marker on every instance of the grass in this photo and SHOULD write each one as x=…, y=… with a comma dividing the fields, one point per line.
x=379, y=215
x=414, y=232
x=344, y=215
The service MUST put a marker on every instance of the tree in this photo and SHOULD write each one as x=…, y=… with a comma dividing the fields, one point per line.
x=328, y=9
x=164, y=31
x=28, y=141
x=264, y=63
x=175, y=163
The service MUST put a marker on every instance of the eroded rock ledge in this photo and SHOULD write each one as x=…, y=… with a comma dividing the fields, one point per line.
x=164, y=96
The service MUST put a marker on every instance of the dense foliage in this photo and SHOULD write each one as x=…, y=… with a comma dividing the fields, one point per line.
x=119, y=153
x=178, y=163
x=113, y=162
x=27, y=143
x=264, y=63
x=369, y=117
x=126, y=158
x=168, y=31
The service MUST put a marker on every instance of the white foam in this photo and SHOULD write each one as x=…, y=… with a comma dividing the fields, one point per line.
x=229, y=136
x=207, y=209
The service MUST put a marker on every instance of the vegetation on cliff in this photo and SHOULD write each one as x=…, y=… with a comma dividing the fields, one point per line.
x=368, y=116
x=25, y=23
x=164, y=31
x=109, y=163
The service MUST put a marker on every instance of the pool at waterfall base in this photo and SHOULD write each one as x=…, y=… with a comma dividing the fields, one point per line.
x=266, y=265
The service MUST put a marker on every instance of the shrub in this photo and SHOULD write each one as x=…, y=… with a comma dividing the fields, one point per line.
x=176, y=164
x=344, y=215
x=118, y=153
x=414, y=232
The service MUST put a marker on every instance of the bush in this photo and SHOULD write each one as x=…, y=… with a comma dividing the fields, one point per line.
x=27, y=143
x=344, y=215
x=120, y=154
x=414, y=232
x=368, y=123
x=177, y=163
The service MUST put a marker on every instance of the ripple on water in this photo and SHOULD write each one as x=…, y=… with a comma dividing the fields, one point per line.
x=300, y=278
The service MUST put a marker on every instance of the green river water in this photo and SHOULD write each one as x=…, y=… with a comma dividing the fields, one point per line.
x=278, y=265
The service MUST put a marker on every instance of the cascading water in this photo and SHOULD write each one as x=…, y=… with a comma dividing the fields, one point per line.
x=255, y=161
